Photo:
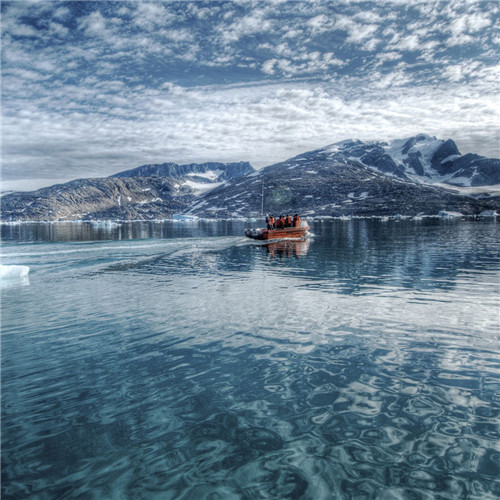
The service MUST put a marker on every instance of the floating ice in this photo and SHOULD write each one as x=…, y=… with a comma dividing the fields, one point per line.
x=449, y=215
x=184, y=218
x=13, y=275
x=489, y=213
x=9, y=272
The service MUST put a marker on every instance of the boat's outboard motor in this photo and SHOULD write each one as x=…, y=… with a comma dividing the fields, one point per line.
x=252, y=233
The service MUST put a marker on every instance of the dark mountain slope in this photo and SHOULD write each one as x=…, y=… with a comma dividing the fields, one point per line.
x=106, y=198
x=201, y=172
x=421, y=158
x=144, y=193
x=347, y=178
x=322, y=183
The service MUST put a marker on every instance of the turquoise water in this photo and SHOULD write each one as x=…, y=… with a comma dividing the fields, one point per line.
x=171, y=361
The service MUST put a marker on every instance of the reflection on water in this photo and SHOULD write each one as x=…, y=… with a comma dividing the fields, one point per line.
x=86, y=231
x=288, y=248
x=363, y=363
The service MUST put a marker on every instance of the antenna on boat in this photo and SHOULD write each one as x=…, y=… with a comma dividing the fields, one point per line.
x=262, y=200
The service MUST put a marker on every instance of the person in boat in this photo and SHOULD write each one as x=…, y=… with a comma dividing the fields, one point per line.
x=288, y=221
x=296, y=220
x=280, y=223
x=270, y=222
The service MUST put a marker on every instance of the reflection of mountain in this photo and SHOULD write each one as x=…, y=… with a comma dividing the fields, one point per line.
x=288, y=248
x=354, y=257
x=362, y=256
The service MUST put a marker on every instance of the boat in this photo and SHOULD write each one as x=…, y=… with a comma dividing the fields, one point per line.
x=295, y=233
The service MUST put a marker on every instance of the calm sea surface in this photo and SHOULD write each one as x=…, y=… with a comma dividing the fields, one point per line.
x=183, y=361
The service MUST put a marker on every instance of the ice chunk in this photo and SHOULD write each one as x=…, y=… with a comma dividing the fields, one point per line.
x=9, y=272
x=13, y=275
x=449, y=215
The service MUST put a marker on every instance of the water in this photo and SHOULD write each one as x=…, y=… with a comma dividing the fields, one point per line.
x=171, y=361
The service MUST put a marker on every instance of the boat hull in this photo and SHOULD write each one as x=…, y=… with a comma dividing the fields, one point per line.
x=295, y=233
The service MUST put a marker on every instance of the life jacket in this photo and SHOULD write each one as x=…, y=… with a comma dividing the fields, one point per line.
x=297, y=221
x=288, y=221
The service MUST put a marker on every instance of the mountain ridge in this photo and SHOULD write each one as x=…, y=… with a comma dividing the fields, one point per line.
x=422, y=158
x=350, y=177
x=204, y=172
x=324, y=183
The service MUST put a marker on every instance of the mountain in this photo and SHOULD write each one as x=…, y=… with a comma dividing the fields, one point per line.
x=421, y=159
x=348, y=178
x=143, y=193
x=198, y=172
x=337, y=180
x=106, y=198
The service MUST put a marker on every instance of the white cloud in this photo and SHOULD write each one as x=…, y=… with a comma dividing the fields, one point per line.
x=388, y=56
x=22, y=30
x=57, y=29
x=356, y=32
x=250, y=24
x=150, y=15
x=94, y=24
x=180, y=35
x=372, y=44
x=129, y=107
x=469, y=23
x=454, y=73
x=410, y=43
x=269, y=66
x=261, y=123
x=320, y=23
x=26, y=74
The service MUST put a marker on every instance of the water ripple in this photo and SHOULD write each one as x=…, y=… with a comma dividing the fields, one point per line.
x=213, y=370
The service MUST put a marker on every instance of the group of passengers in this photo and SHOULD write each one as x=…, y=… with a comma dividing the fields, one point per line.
x=282, y=221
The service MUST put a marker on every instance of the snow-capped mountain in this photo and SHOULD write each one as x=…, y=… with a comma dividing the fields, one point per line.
x=198, y=176
x=347, y=178
x=421, y=159
x=147, y=192
x=350, y=178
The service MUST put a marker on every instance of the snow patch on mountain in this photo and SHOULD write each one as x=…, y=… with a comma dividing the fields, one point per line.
x=422, y=159
x=210, y=175
x=201, y=187
x=422, y=146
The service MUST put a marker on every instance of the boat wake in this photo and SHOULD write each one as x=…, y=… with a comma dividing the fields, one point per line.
x=70, y=260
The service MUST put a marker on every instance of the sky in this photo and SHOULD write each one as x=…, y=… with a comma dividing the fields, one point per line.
x=91, y=88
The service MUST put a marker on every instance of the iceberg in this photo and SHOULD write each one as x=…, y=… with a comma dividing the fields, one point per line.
x=184, y=218
x=449, y=215
x=9, y=272
x=13, y=275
